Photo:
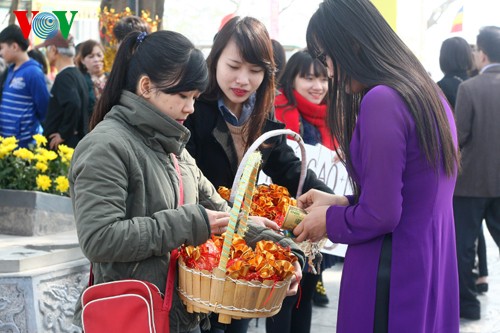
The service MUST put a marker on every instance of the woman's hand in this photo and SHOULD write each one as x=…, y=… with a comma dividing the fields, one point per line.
x=264, y=222
x=294, y=285
x=315, y=198
x=313, y=226
x=316, y=203
x=218, y=221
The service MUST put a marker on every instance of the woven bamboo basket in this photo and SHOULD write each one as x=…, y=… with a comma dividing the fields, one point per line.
x=203, y=291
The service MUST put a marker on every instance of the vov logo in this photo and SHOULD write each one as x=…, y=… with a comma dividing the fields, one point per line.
x=45, y=24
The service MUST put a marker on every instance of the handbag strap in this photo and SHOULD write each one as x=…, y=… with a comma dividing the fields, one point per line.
x=172, y=267
x=179, y=175
x=91, y=276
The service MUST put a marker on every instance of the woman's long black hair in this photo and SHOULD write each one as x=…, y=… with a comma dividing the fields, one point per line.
x=364, y=47
x=254, y=43
x=168, y=58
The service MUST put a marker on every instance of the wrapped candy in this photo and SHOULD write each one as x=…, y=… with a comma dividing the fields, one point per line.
x=202, y=257
x=250, y=283
x=269, y=201
x=269, y=261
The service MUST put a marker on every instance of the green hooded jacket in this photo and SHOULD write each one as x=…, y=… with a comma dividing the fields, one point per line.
x=125, y=194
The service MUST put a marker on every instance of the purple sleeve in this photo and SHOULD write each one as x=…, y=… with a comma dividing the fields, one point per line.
x=379, y=155
x=351, y=198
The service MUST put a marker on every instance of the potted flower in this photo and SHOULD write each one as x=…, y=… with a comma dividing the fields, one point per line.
x=25, y=174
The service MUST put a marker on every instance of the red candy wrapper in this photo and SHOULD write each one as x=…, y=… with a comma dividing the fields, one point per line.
x=269, y=261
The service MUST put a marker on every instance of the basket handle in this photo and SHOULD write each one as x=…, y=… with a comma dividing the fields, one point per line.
x=257, y=144
x=243, y=198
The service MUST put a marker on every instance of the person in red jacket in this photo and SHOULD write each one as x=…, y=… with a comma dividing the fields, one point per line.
x=300, y=104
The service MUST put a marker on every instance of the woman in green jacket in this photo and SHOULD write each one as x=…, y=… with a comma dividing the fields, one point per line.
x=123, y=178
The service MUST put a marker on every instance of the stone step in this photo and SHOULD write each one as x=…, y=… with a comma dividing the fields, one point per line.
x=19, y=253
x=32, y=213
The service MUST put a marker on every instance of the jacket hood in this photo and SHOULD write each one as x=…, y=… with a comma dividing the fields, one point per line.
x=27, y=64
x=159, y=130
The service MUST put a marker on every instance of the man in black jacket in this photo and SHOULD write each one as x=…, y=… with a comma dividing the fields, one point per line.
x=67, y=116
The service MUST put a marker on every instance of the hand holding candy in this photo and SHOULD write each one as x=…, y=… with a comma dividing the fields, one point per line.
x=313, y=226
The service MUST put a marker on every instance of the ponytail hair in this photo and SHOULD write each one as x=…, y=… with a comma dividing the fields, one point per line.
x=168, y=58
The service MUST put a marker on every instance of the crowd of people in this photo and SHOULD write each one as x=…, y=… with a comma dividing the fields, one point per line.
x=157, y=135
x=32, y=103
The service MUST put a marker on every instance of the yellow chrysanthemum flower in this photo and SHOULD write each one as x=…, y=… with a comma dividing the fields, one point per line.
x=41, y=154
x=11, y=140
x=38, y=166
x=41, y=166
x=62, y=149
x=6, y=148
x=41, y=158
x=24, y=154
x=65, y=150
x=7, y=145
x=50, y=155
x=66, y=153
x=62, y=184
x=40, y=140
x=43, y=182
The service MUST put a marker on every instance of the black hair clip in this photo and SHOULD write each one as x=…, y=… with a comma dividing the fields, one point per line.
x=141, y=37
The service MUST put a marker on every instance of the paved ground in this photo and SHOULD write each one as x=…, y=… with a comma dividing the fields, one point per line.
x=324, y=319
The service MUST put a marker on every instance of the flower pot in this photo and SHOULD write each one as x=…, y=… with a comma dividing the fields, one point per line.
x=32, y=213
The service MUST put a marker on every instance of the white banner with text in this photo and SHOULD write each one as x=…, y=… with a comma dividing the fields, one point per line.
x=325, y=164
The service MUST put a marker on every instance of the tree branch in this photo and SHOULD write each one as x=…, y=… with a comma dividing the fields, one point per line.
x=287, y=6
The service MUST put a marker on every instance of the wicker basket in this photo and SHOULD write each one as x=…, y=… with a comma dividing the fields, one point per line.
x=202, y=291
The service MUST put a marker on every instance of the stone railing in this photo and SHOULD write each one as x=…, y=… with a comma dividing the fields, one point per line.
x=42, y=269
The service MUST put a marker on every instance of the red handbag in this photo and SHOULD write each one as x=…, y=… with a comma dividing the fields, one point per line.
x=133, y=306
x=130, y=306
